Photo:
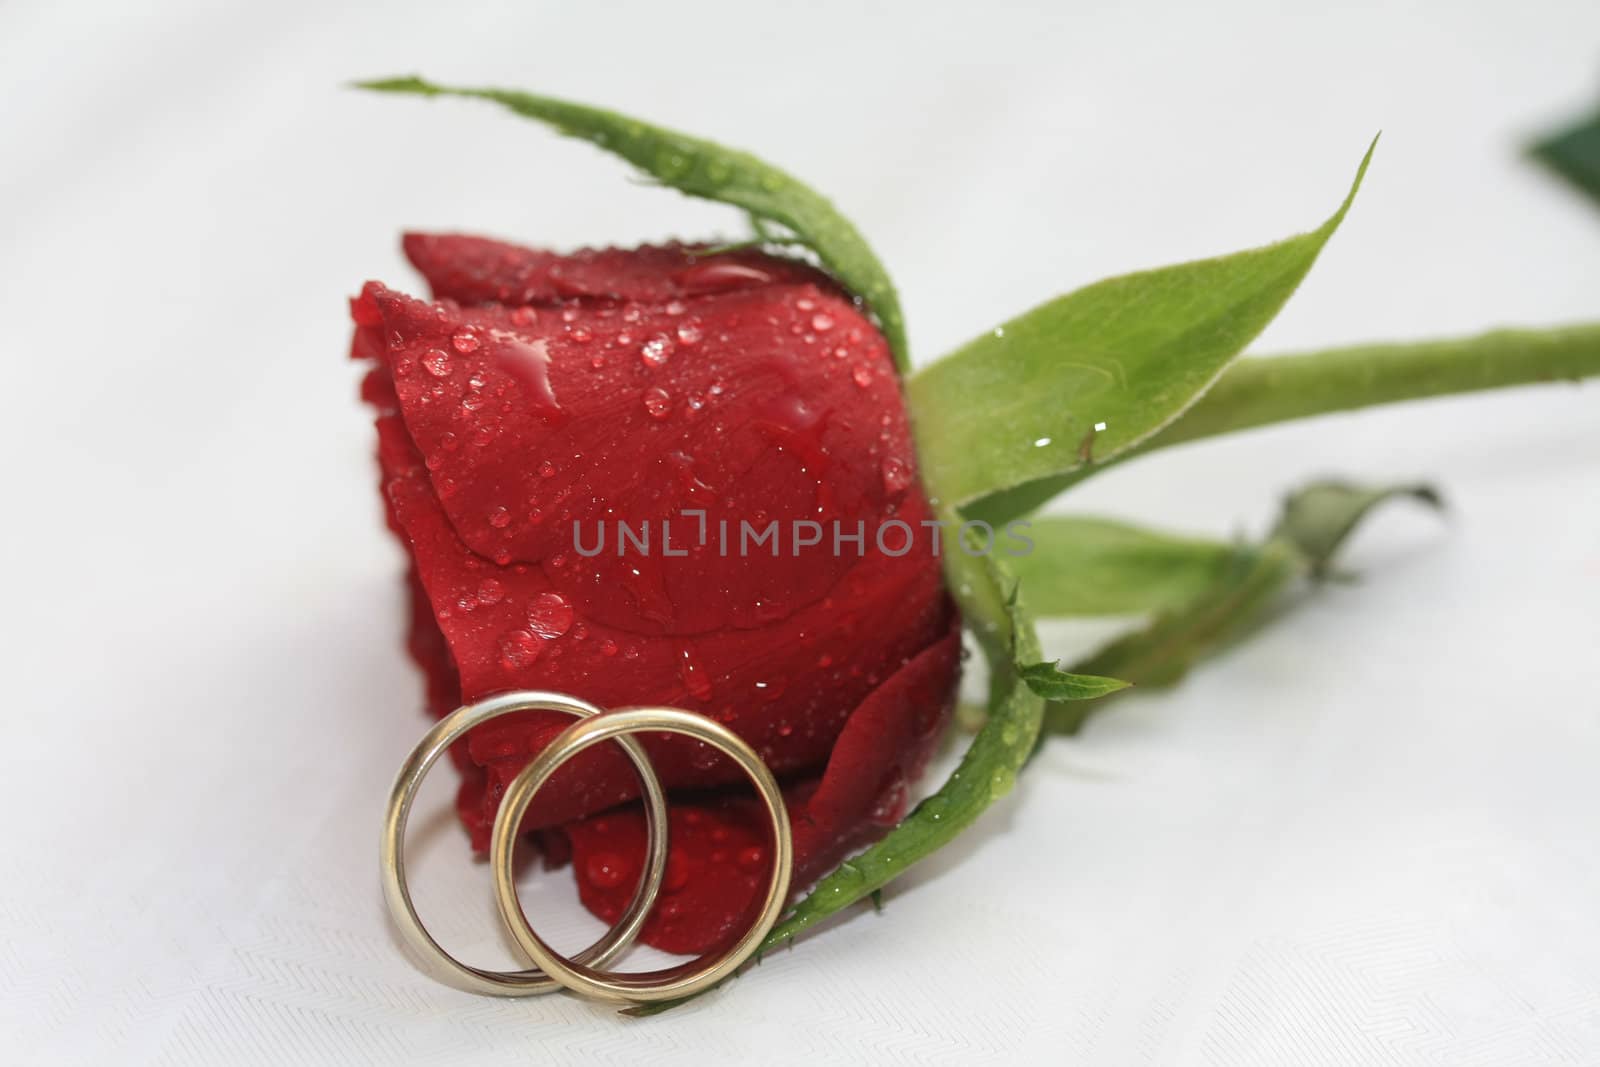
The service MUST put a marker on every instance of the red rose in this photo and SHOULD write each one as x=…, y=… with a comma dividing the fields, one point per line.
x=541, y=399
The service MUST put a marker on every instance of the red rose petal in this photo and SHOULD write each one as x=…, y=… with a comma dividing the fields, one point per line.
x=720, y=847
x=477, y=270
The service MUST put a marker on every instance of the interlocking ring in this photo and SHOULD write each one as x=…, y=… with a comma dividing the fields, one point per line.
x=669, y=983
x=446, y=731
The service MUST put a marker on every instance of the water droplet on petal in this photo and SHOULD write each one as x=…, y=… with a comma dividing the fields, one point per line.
x=549, y=615
x=656, y=351
x=490, y=592
x=862, y=375
x=896, y=474
x=694, y=677
x=464, y=342
x=499, y=518
x=658, y=402
x=436, y=361
x=547, y=469
x=606, y=870
x=518, y=650
x=821, y=323
x=689, y=333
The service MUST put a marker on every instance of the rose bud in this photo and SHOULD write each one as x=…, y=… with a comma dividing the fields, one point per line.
x=700, y=398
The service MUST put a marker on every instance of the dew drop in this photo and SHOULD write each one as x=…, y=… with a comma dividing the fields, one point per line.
x=436, y=361
x=549, y=615
x=547, y=469
x=499, y=518
x=896, y=474
x=677, y=875
x=529, y=364
x=523, y=316
x=694, y=677
x=656, y=351
x=862, y=375
x=688, y=333
x=606, y=870
x=658, y=402
x=518, y=650
x=490, y=592
x=716, y=275
x=821, y=323
x=465, y=341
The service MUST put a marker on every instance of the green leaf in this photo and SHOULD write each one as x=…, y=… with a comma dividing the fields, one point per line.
x=1319, y=518
x=1264, y=390
x=1574, y=153
x=1092, y=374
x=1053, y=683
x=1315, y=522
x=1091, y=566
x=707, y=170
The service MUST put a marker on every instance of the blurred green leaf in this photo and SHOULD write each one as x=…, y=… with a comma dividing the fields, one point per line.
x=1092, y=566
x=1574, y=153
x=1318, y=519
x=1315, y=522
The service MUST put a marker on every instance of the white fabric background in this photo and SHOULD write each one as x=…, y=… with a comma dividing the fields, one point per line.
x=1367, y=837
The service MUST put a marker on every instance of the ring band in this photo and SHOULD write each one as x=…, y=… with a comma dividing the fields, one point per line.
x=395, y=890
x=668, y=983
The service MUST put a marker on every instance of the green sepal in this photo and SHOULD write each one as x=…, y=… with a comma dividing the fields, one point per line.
x=707, y=170
x=1051, y=682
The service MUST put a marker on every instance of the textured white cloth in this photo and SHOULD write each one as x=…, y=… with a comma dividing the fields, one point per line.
x=1366, y=837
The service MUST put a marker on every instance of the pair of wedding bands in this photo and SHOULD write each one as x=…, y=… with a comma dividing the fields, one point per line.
x=581, y=972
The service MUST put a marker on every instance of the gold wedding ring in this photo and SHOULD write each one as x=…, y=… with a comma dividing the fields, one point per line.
x=581, y=973
x=686, y=979
x=392, y=853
